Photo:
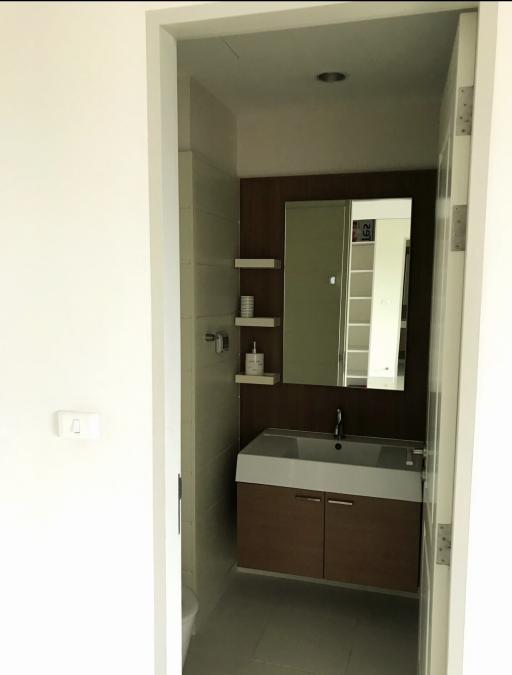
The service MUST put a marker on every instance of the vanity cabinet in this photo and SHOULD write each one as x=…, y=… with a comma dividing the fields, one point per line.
x=340, y=537
x=372, y=542
x=281, y=529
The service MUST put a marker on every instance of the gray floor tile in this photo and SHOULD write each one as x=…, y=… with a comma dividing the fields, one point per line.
x=341, y=601
x=273, y=626
x=383, y=651
x=229, y=638
x=308, y=639
x=260, y=668
x=200, y=662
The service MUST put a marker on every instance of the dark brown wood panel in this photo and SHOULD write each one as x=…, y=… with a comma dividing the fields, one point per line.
x=373, y=542
x=280, y=529
x=306, y=407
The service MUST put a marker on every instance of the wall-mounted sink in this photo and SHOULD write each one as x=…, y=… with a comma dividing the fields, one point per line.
x=370, y=467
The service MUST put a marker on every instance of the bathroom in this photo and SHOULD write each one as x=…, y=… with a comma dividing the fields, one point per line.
x=265, y=147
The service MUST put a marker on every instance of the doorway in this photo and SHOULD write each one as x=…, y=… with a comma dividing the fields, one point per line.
x=170, y=167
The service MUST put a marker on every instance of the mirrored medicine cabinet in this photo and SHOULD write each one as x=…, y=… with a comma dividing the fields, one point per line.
x=346, y=288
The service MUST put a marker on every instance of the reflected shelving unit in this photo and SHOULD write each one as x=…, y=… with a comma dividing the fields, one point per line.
x=359, y=309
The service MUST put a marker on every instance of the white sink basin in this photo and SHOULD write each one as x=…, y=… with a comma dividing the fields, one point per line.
x=362, y=466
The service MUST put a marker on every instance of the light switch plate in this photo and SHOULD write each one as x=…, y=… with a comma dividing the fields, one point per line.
x=73, y=424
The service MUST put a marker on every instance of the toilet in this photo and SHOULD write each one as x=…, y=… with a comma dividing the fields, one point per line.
x=189, y=608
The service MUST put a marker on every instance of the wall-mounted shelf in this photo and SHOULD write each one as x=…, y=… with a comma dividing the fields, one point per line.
x=361, y=271
x=266, y=378
x=258, y=321
x=363, y=243
x=258, y=263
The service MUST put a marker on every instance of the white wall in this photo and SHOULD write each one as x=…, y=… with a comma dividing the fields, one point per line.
x=205, y=125
x=364, y=135
x=76, y=518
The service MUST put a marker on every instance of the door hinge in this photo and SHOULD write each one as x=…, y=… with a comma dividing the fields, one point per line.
x=444, y=544
x=459, y=227
x=423, y=453
x=464, y=119
x=180, y=492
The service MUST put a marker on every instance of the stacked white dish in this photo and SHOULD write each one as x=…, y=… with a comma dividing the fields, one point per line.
x=247, y=306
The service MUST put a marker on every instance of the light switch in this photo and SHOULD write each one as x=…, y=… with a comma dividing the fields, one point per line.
x=83, y=425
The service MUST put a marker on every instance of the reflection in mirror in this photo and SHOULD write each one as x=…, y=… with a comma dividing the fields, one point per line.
x=346, y=291
x=316, y=255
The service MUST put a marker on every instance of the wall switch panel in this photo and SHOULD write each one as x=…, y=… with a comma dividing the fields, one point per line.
x=71, y=424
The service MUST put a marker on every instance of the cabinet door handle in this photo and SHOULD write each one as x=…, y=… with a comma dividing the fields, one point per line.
x=340, y=502
x=305, y=498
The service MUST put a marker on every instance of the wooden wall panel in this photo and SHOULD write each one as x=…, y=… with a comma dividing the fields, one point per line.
x=398, y=414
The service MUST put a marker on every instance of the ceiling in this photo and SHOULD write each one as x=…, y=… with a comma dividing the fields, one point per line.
x=399, y=56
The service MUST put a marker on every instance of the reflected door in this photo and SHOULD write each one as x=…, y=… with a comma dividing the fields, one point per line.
x=314, y=303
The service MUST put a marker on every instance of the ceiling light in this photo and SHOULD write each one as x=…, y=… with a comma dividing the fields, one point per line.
x=331, y=77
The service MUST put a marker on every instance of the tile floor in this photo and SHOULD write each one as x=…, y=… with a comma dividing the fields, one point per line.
x=273, y=626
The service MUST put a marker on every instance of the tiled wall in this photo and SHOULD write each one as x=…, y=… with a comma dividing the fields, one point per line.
x=209, y=202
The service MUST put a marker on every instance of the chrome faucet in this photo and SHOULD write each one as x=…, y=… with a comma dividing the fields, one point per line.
x=338, y=429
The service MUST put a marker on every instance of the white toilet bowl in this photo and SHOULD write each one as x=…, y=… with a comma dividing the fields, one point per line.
x=189, y=608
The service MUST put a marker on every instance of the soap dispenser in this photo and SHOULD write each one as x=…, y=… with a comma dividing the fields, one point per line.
x=254, y=362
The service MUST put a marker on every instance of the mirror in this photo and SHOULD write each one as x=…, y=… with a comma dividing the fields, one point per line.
x=346, y=283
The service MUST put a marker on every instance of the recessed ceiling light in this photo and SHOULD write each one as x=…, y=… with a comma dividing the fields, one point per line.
x=331, y=77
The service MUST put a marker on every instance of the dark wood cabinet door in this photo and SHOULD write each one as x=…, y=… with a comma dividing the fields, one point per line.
x=374, y=542
x=281, y=529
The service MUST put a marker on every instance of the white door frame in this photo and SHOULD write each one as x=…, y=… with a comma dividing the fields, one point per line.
x=472, y=305
x=164, y=27
x=445, y=350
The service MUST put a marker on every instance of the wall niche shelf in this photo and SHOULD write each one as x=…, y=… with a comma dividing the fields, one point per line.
x=266, y=378
x=258, y=263
x=258, y=321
